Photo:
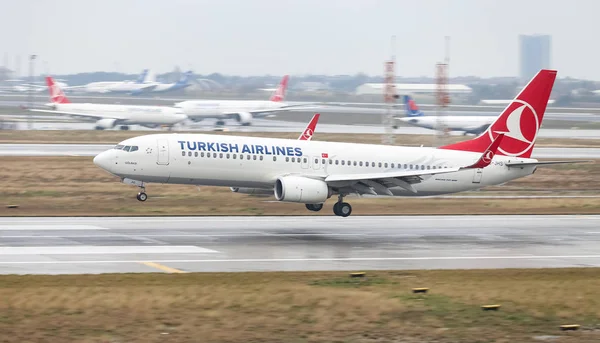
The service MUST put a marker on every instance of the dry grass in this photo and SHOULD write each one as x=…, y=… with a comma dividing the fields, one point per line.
x=113, y=137
x=75, y=186
x=301, y=307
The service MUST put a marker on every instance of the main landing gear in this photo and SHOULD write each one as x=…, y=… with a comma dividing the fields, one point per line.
x=341, y=208
x=142, y=196
x=314, y=207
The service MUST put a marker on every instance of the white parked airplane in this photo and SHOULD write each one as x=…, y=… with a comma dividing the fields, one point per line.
x=467, y=124
x=311, y=172
x=243, y=111
x=145, y=82
x=109, y=115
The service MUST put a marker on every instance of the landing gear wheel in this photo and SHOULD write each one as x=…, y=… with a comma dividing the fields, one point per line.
x=142, y=196
x=245, y=124
x=314, y=207
x=220, y=123
x=124, y=127
x=342, y=209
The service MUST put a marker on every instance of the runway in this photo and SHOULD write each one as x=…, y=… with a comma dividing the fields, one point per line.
x=233, y=244
x=95, y=149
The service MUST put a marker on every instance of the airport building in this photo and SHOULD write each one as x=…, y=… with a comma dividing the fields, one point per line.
x=534, y=54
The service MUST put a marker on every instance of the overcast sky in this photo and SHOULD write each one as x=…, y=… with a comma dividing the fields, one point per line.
x=257, y=37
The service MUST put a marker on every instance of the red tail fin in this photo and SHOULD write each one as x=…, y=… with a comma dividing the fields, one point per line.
x=280, y=91
x=310, y=129
x=520, y=121
x=57, y=96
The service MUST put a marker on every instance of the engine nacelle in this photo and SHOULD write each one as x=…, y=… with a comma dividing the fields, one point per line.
x=254, y=191
x=301, y=189
x=243, y=118
x=106, y=123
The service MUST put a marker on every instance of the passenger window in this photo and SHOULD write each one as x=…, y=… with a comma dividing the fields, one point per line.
x=274, y=158
x=196, y=154
x=287, y=159
x=183, y=153
x=411, y=166
x=189, y=153
x=201, y=154
x=248, y=158
x=385, y=165
x=354, y=163
x=360, y=163
x=221, y=155
x=305, y=160
x=254, y=157
x=234, y=156
x=372, y=164
x=261, y=157
x=379, y=164
x=405, y=165
x=293, y=159
x=316, y=160
x=428, y=167
x=323, y=161
x=227, y=156
x=343, y=162
x=422, y=167
x=392, y=166
x=330, y=161
x=214, y=154
x=337, y=162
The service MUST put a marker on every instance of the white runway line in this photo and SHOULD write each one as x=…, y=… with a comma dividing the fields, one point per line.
x=101, y=250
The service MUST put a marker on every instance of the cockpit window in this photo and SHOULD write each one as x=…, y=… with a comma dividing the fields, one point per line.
x=119, y=147
x=133, y=148
x=126, y=148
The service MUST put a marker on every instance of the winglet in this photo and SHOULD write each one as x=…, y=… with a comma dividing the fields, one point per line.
x=310, y=129
x=488, y=154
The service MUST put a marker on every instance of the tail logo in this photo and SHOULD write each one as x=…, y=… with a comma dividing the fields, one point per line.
x=412, y=106
x=308, y=133
x=57, y=94
x=487, y=158
x=521, y=127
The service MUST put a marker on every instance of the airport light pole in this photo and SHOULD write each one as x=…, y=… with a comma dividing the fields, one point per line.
x=30, y=88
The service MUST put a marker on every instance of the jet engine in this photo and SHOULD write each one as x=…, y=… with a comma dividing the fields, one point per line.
x=106, y=123
x=243, y=118
x=253, y=191
x=302, y=190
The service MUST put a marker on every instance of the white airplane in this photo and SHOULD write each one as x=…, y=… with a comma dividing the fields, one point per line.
x=310, y=172
x=145, y=82
x=243, y=111
x=182, y=83
x=467, y=124
x=109, y=115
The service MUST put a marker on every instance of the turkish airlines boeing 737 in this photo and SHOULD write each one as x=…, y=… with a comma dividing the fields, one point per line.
x=310, y=172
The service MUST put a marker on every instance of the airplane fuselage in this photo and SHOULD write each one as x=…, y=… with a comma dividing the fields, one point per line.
x=131, y=114
x=235, y=161
x=223, y=108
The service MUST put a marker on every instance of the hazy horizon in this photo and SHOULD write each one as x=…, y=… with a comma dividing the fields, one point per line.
x=264, y=37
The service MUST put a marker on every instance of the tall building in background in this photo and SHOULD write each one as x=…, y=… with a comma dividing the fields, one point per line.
x=534, y=53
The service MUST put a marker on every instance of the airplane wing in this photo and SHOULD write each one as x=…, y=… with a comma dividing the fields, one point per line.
x=83, y=115
x=299, y=107
x=379, y=183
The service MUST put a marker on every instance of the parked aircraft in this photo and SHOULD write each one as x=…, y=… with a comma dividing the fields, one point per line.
x=109, y=115
x=467, y=124
x=243, y=111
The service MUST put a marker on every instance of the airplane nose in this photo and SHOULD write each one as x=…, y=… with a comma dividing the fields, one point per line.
x=102, y=160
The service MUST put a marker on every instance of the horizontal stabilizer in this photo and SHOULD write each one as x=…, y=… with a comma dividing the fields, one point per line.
x=540, y=164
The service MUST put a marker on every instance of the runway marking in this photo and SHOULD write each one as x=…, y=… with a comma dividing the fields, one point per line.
x=141, y=236
x=433, y=258
x=92, y=250
x=51, y=227
x=162, y=267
